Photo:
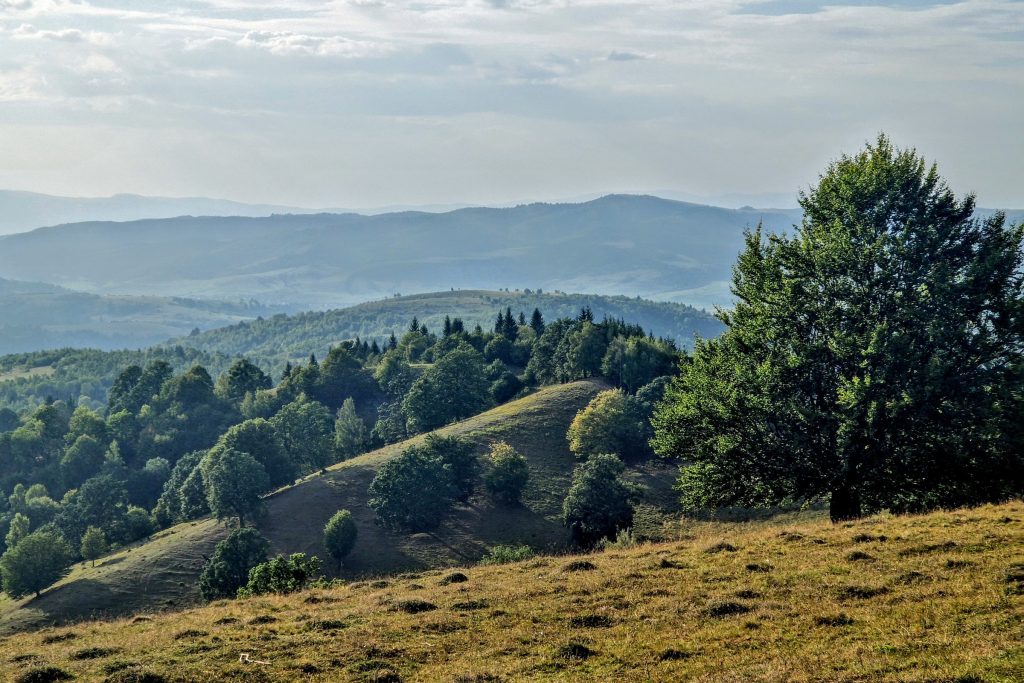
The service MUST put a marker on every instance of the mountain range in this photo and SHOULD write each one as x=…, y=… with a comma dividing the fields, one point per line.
x=618, y=244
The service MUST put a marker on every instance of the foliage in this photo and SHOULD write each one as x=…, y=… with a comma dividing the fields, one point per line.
x=94, y=544
x=340, y=535
x=599, y=502
x=281, y=575
x=234, y=481
x=38, y=560
x=874, y=356
x=506, y=554
x=452, y=389
x=611, y=423
x=306, y=434
x=228, y=569
x=350, y=437
x=507, y=473
x=413, y=491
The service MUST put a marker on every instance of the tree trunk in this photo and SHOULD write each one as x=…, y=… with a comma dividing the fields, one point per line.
x=845, y=504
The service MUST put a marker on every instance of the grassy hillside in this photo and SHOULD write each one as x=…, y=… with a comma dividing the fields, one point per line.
x=936, y=598
x=296, y=336
x=162, y=573
x=35, y=316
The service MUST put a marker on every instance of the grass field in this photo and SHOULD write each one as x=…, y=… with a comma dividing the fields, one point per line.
x=161, y=574
x=936, y=598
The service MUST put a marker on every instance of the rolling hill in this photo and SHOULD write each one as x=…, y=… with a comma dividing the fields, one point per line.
x=162, y=572
x=36, y=316
x=296, y=336
x=931, y=598
x=619, y=244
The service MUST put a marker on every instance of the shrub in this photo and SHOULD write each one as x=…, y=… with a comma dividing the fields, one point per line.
x=507, y=473
x=504, y=554
x=599, y=502
x=281, y=575
x=228, y=569
x=340, y=535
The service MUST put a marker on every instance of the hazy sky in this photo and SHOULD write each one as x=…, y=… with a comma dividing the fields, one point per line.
x=373, y=102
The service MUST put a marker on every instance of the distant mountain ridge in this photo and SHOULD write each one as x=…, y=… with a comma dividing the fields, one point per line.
x=22, y=211
x=618, y=244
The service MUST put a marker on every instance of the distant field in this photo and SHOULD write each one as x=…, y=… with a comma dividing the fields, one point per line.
x=22, y=373
x=934, y=598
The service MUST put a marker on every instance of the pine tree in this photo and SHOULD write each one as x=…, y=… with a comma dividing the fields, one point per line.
x=392, y=342
x=447, y=327
x=537, y=322
x=414, y=326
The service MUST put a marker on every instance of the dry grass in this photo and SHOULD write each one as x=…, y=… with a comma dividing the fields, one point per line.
x=942, y=600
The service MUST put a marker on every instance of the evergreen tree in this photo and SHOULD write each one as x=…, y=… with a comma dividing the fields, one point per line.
x=392, y=342
x=873, y=357
x=350, y=437
x=447, y=327
x=537, y=322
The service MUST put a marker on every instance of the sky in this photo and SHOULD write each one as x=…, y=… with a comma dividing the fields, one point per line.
x=364, y=103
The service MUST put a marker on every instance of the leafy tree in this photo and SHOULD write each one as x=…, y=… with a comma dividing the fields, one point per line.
x=85, y=422
x=611, y=423
x=259, y=438
x=342, y=376
x=18, y=529
x=192, y=496
x=412, y=491
x=228, y=569
x=9, y=420
x=340, y=535
x=242, y=378
x=505, y=387
x=350, y=438
x=101, y=502
x=580, y=352
x=306, y=431
x=507, y=473
x=281, y=575
x=82, y=460
x=458, y=459
x=37, y=561
x=234, y=482
x=168, y=509
x=453, y=389
x=599, y=502
x=144, y=486
x=137, y=524
x=873, y=356
x=631, y=363
x=94, y=544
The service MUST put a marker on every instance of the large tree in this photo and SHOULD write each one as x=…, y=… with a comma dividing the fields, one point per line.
x=38, y=560
x=873, y=355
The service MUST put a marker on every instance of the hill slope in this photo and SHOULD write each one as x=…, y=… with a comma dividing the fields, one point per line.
x=614, y=245
x=162, y=573
x=298, y=335
x=36, y=316
x=933, y=598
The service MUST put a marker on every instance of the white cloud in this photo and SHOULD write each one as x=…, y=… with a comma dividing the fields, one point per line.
x=709, y=96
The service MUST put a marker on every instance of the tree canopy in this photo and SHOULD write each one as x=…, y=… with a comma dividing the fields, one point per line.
x=873, y=356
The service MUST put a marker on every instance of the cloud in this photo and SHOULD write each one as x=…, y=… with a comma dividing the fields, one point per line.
x=625, y=56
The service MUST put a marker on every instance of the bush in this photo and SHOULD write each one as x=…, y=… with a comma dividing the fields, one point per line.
x=340, y=535
x=281, y=575
x=507, y=473
x=228, y=569
x=505, y=554
x=599, y=502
